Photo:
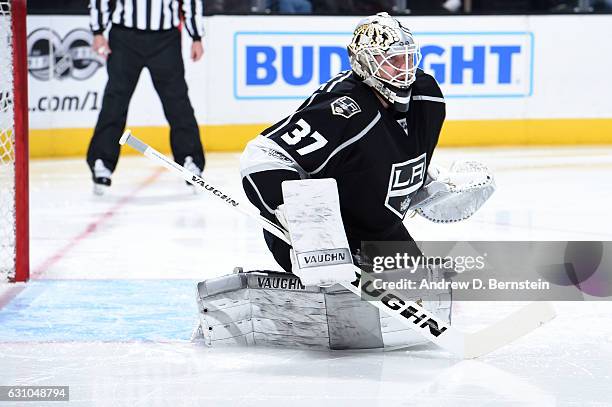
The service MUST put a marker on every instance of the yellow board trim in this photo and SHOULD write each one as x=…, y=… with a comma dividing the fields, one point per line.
x=535, y=132
x=456, y=133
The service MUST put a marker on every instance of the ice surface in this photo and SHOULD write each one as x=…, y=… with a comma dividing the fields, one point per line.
x=112, y=302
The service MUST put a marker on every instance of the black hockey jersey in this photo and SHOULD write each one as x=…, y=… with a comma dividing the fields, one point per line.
x=378, y=157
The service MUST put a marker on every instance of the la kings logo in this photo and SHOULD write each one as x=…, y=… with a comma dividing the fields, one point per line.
x=405, y=179
x=345, y=107
x=402, y=122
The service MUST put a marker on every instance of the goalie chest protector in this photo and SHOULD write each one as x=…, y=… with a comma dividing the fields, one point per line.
x=378, y=157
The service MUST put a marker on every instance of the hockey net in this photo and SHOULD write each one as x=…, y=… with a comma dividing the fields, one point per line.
x=14, y=237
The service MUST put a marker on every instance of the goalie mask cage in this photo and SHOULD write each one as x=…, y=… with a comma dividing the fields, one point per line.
x=14, y=235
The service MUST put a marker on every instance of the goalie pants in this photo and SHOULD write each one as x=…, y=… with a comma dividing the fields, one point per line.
x=159, y=52
x=263, y=189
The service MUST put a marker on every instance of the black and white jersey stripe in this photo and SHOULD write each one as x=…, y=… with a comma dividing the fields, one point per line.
x=326, y=87
x=152, y=15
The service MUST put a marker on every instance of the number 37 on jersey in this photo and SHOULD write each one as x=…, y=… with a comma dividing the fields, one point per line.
x=303, y=131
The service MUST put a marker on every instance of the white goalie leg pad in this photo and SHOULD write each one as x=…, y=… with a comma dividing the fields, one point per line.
x=456, y=194
x=311, y=211
x=271, y=308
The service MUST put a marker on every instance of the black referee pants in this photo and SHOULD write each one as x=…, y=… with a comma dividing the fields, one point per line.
x=160, y=52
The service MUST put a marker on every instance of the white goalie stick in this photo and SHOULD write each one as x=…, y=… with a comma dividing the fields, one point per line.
x=411, y=314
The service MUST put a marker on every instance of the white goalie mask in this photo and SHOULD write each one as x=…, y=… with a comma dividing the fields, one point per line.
x=385, y=55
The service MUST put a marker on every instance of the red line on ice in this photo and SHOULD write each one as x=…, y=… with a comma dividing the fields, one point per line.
x=42, y=269
x=12, y=292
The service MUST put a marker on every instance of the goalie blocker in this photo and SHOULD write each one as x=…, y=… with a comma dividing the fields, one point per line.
x=275, y=308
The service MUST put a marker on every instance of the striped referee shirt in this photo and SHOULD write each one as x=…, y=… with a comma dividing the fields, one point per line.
x=153, y=15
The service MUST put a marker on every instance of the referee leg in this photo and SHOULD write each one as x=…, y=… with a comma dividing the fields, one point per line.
x=168, y=75
x=123, y=65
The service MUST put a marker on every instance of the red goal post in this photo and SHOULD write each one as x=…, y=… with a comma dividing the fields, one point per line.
x=14, y=199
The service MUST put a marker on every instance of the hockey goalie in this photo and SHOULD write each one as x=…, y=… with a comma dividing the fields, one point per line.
x=345, y=168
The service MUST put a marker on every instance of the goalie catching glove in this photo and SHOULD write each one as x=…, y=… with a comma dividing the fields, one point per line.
x=456, y=194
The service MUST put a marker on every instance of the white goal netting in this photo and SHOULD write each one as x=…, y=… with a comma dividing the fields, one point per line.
x=7, y=148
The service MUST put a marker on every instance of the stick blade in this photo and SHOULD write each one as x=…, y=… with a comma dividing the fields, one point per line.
x=509, y=329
